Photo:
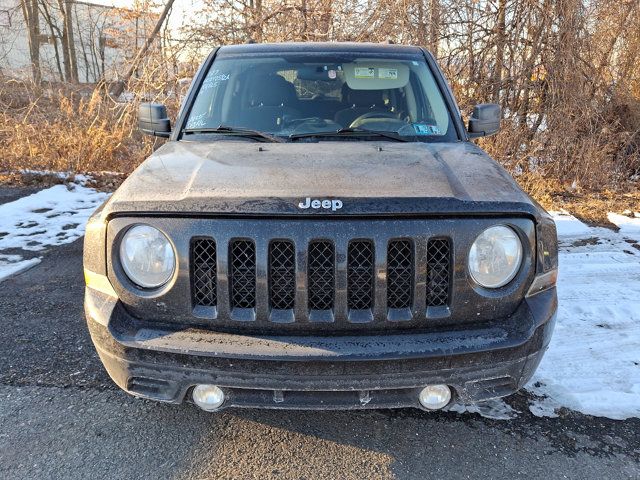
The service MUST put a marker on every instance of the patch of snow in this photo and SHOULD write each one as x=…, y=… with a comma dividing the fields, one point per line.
x=50, y=217
x=496, y=409
x=49, y=173
x=593, y=362
x=568, y=225
x=544, y=407
x=78, y=178
x=14, y=264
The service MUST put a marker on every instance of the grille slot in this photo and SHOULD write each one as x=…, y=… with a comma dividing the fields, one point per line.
x=438, y=272
x=400, y=274
x=242, y=261
x=282, y=274
x=360, y=274
x=203, y=277
x=321, y=273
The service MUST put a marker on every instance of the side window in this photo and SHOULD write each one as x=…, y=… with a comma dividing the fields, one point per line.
x=435, y=108
x=423, y=108
x=412, y=107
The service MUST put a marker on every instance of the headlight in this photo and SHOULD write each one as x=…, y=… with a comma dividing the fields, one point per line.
x=147, y=256
x=495, y=257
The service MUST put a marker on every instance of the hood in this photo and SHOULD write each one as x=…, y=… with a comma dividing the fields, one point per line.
x=367, y=178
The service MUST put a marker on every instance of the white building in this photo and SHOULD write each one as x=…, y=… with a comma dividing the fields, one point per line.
x=105, y=38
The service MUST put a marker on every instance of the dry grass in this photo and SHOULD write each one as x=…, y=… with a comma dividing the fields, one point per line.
x=67, y=129
x=589, y=205
x=592, y=208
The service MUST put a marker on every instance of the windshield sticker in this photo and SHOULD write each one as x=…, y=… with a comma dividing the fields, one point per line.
x=423, y=129
x=365, y=72
x=214, y=79
x=388, y=73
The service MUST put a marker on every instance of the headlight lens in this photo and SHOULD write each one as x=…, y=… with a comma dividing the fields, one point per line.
x=147, y=256
x=495, y=257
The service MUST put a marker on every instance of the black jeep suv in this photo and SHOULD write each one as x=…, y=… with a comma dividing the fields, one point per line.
x=320, y=232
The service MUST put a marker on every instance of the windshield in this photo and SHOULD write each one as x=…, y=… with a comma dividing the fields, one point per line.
x=294, y=96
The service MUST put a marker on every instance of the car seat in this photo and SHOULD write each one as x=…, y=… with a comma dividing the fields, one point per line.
x=269, y=99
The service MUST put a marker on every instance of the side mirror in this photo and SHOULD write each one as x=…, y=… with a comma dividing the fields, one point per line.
x=153, y=120
x=485, y=120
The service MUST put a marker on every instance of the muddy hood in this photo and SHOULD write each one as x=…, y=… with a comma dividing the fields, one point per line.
x=231, y=177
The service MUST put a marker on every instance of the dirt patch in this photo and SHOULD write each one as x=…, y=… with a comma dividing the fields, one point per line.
x=586, y=241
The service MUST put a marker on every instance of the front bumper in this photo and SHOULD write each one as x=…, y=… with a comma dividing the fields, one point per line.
x=163, y=363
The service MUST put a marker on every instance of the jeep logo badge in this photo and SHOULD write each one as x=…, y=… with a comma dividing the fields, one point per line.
x=317, y=203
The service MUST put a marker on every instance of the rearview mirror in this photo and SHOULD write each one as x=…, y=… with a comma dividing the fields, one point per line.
x=485, y=120
x=153, y=120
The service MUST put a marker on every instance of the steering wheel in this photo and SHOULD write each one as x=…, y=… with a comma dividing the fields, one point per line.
x=357, y=121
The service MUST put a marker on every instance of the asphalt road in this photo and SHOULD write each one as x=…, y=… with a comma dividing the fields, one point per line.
x=61, y=417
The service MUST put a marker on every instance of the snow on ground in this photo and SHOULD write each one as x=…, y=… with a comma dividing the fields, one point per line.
x=496, y=409
x=593, y=362
x=52, y=216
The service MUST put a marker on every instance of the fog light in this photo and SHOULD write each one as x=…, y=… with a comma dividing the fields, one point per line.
x=434, y=397
x=208, y=397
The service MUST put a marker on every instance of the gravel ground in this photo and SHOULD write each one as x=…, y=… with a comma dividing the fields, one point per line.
x=9, y=194
x=61, y=417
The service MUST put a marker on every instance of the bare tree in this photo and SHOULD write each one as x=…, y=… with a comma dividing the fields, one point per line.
x=119, y=86
x=501, y=40
x=68, y=41
x=434, y=26
x=31, y=18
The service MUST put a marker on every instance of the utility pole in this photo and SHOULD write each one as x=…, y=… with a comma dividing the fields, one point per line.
x=118, y=88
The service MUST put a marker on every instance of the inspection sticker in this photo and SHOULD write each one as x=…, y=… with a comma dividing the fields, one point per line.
x=365, y=72
x=423, y=129
x=388, y=73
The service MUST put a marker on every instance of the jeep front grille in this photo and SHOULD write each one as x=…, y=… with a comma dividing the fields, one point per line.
x=321, y=275
x=360, y=271
x=282, y=274
x=242, y=263
x=204, y=272
x=438, y=272
x=400, y=274
x=305, y=281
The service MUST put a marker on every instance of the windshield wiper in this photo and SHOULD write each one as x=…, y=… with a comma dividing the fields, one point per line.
x=351, y=130
x=244, y=132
